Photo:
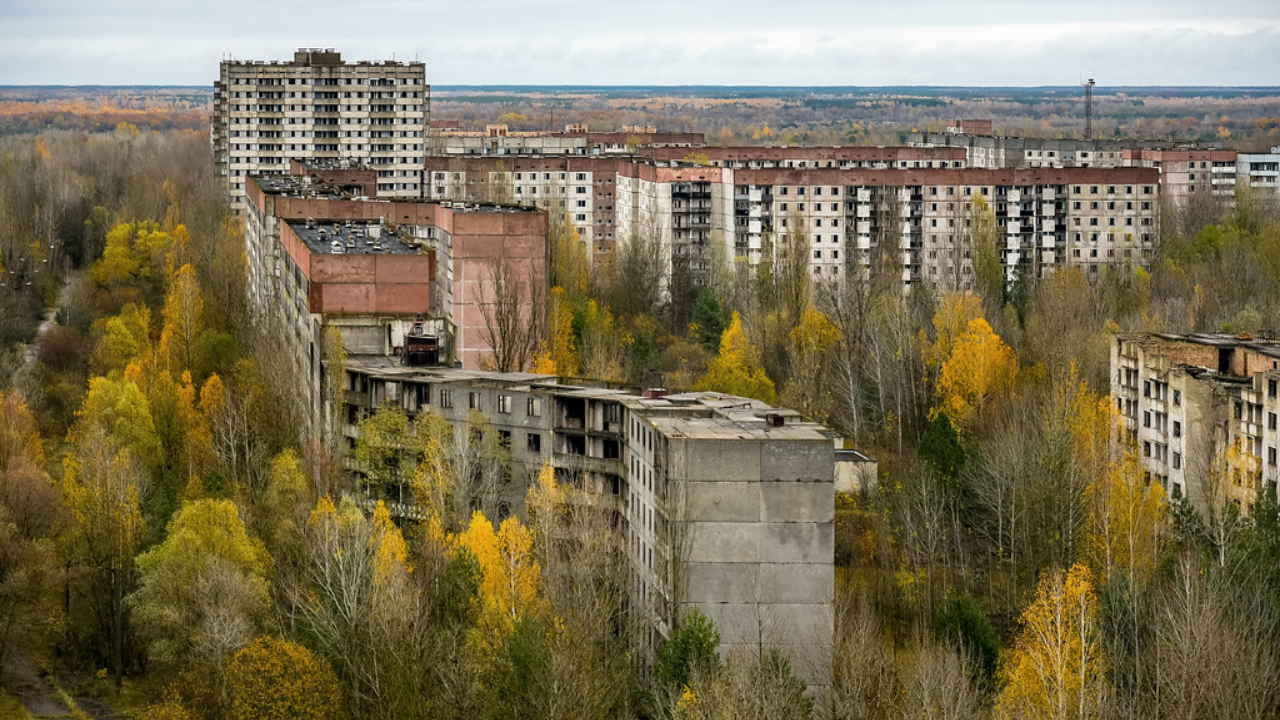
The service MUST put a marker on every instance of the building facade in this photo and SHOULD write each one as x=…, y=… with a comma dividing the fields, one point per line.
x=382, y=271
x=848, y=205
x=317, y=106
x=1185, y=400
x=718, y=502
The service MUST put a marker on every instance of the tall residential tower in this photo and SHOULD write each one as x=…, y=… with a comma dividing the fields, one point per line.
x=317, y=107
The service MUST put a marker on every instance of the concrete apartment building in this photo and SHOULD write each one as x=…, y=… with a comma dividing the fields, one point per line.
x=985, y=149
x=446, y=139
x=845, y=201
x=718, y=502
x=1184, y=399
x=388, y=273
x=1261, y=171
x=1186, y=172
x=319, y=107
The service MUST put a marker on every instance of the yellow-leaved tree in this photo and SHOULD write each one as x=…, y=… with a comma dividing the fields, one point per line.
x=955, y=311
x=274, y=679
x=183, y=316
x=1124, y=525
x=508, y=576
x=980, y=369
x=560, y=357
x=203, y=590
x=1058, y=669
x=737, y=369
x=122, y=339
x=808, y=390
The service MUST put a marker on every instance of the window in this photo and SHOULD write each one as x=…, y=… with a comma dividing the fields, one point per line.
x=1271, y=421
x=1271, y=388
x=473, y=400
x=1146, y=449
x=535, y=442
x=1177, y=428
x=1146, y=419
x=1146, y=388
x=1177, y=398
x=446, y=398
x=504, y=438
x=1271, y=456
x=504, y=403
x=534, y=407
x=1177, y=461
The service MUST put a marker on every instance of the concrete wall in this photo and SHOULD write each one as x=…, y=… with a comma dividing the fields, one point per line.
x=759, y=548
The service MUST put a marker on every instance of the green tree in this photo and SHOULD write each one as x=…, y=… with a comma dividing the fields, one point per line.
x=386, y=452
x=691, y=651
x=202, y=591
x=960, y=620
x=102, y=488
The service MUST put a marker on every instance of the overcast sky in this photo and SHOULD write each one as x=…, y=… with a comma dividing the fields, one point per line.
x=658, y=42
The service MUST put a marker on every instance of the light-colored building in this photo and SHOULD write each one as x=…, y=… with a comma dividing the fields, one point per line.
x=844, y=201
x=1184, y=173
x=1261, y=171
x=717, y=502
x=1185, y=399
x=448, y=140
x=317, y=106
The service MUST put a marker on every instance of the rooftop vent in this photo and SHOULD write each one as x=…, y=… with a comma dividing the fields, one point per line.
x=655, y=393
x=774, y=420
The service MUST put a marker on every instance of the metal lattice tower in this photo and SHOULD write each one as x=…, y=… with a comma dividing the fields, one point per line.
x=1088, y=110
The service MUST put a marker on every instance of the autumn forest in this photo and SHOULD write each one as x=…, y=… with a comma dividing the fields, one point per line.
x=170, y=547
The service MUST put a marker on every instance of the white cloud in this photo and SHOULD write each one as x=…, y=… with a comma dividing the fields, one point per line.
x=801, y=42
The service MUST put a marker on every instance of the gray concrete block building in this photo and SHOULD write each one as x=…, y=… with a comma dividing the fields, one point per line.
x=719, y=502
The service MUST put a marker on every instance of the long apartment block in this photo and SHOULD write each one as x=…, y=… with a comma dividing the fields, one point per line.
x=317, y=106
x=1185, y=399
x=845, y=202
x=718, y=502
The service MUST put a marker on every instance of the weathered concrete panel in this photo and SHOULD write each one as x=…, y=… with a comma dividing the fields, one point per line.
x=721, y=582
x=809, y=543
x=796, y=624
x=798, y=502
x=722, y=461
x=737, y=623
x=724, y=502
x=796, y=584
x=796, y=461
x=724, y=542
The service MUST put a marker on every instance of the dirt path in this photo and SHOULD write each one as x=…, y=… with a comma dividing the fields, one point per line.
x=50, y=319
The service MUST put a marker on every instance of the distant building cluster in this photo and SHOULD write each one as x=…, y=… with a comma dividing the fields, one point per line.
x=1056, y=203
x=1202, y=410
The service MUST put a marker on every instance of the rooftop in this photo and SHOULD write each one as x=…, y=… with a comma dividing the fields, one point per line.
x=698, y=415
x=350, y=238
x=308, y=187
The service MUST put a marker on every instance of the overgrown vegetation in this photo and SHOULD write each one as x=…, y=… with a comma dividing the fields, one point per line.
x=172, y=545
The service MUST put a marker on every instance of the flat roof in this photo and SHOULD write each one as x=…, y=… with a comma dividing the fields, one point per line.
x=329, y=237
x=706, y=415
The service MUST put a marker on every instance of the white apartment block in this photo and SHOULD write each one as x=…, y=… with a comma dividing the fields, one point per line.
x=319, y=107
x=1261, y=171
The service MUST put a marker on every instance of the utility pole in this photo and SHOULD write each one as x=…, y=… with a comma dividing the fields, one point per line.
x=1088, y=110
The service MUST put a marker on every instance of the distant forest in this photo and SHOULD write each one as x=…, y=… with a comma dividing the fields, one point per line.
x=1246, y=118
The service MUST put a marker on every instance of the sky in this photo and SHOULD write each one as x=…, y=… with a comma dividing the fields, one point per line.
x=658, y=42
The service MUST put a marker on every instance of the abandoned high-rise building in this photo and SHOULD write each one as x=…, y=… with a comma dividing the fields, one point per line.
x=319, y=107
